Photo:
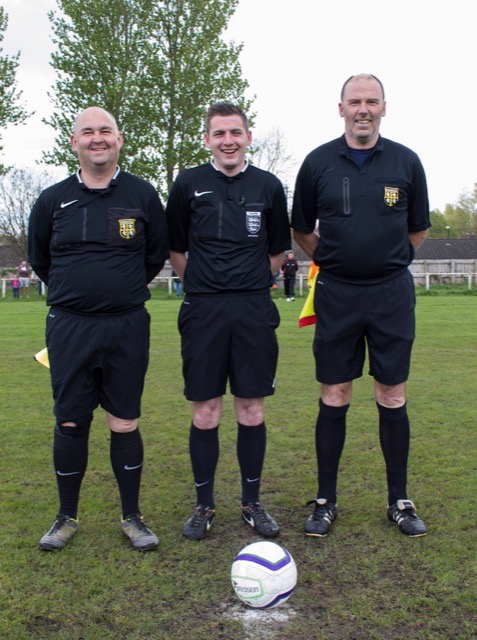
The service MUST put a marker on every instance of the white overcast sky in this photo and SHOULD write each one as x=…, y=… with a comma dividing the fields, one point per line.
x=296, y=56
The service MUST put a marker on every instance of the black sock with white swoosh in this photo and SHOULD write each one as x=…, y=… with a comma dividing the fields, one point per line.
x=204, y=456
x=127, y=457
x=70, y=459
x=251, y=445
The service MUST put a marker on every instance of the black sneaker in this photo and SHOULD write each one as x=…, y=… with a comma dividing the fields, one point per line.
x=142, y=538
x=199, y=523
x=318, y=524
x=403, y=513
x=255, y=515
x=63, y=528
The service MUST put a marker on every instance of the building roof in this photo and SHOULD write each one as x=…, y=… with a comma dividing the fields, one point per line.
x=432, y=249
x=448, y=249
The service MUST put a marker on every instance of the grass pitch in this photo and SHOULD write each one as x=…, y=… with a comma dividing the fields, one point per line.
x=365, y=581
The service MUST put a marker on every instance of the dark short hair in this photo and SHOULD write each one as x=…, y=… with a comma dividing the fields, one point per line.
x=224, y=109
x=361, y=75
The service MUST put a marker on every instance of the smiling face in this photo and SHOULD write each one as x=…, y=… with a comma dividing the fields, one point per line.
x=97, y=141
x=228, y=139
x=362, y=108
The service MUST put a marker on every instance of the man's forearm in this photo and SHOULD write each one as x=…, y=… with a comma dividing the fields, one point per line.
x=306, y=241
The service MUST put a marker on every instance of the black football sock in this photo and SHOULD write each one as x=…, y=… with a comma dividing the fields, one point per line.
x=251, y=445
x=204, y=456
x=127, y=458
x=394, y=435
x=70, y=459
x=330, y=435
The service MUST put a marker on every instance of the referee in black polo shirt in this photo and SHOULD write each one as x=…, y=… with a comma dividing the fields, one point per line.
x=369, y=195
x=229, y=228
x=97, y=239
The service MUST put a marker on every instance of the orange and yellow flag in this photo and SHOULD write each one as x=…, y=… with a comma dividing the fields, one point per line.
x=307, y=315
x=42, y=357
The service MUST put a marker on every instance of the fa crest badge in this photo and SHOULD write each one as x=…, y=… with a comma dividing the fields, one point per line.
x=391, y=196
x=253, y=222
x=127, y=228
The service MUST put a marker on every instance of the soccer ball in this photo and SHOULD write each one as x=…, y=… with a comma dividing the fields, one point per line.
x=263, y=575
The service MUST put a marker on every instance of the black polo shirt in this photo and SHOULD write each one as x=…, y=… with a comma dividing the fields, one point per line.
x=229, y=226
x=365, y=212
x=97, y=249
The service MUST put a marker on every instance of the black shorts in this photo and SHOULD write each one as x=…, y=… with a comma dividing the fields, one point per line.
x=228, y=338
x=97, y=360
x=349, y=316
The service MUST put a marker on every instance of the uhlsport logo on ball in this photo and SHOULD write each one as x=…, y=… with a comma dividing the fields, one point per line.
x=263, y=574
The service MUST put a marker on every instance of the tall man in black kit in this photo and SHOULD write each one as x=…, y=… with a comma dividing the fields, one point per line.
x=369, y=195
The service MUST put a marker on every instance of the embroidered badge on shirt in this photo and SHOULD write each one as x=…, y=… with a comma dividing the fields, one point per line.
x=253, y=221
x=127, y=228
x=391, y=196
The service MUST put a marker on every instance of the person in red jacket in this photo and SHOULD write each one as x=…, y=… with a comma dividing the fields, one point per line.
x=289, y=270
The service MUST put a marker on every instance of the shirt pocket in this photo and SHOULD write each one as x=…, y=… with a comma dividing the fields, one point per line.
x=206, y=218
x=335, y=196
x=70, y=227
x=391, y=196
x=253, y=220
x=126, y=228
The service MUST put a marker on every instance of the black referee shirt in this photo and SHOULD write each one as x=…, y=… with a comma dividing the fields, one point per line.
x=228, y=226
x=97, y=249
x=365, y=213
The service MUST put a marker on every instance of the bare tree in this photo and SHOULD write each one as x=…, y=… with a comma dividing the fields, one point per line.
x=271, y=153
x=19, y=189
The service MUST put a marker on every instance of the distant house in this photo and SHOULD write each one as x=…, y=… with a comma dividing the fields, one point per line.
x=448, y=249
x=446, y=261
x=443, y=260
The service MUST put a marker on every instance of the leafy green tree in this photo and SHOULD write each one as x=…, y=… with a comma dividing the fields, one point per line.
x=462, y=217
x=467, y=207
x=438, y=224
x=155, y=65
x=11, y=112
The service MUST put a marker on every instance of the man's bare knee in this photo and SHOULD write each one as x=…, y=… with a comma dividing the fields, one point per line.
x=249, y=411
x=207, y=414
x=121, y=425
x=390, y=396
x=337, y=395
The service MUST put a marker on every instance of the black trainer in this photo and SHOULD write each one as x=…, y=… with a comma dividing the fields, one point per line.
x=199, y=523
x=318, y=524
x=255, y=515
x=403, y=513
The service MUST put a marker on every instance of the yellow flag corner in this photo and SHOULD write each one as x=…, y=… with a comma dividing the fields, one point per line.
x=42, y=357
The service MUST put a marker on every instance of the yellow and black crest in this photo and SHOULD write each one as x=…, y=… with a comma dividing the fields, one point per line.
x=391, y=196
x=127, y=228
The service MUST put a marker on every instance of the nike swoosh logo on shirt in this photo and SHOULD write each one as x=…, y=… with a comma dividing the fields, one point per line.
x=201, y=193
x=67, y=204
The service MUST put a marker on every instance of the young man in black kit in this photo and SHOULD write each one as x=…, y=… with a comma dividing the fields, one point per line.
x=97, y=239
x=229, y=229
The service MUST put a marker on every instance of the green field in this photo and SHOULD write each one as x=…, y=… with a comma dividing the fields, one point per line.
x=365, y=581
